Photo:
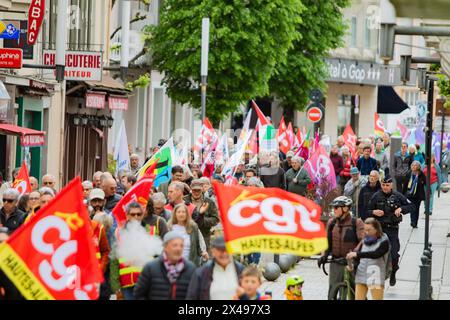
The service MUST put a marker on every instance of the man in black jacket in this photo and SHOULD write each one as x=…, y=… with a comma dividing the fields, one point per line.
x=218, y=279
x=388, y=206
x=366, y=193
x=166, y=277
x=10, y=216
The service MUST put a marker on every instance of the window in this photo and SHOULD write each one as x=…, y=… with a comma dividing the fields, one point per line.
x=353, y=30
x=346, y=113
x=79, y=23
x=411, y=97
x=367, y=34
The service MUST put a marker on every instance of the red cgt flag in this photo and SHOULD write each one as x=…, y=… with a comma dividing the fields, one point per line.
x=139, y=193
x=350, y=141
x=22, y=182
x=52, y=257
x=283, y=137
x=269, y=220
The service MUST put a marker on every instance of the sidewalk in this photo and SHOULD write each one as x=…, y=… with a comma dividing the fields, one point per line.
x=411, y=248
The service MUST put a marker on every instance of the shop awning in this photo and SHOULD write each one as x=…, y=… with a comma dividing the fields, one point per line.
x=107, y=84
x=28, y=137
x=389, y=101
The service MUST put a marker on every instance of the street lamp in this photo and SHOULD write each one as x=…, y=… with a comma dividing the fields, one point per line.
x=388, y=21
x=110, y=122
x=204, y=63
x=76, y=120
x=84, y=120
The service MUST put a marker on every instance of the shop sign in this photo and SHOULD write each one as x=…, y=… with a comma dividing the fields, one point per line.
x=80, y=65
x=95, y=100
x=32, y=140
x=118, y=103
x=10, y=58
x=364, y=72
x=35, y=16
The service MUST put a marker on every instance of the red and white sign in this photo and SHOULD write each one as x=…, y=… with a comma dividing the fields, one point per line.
x=118, y=103
x=95, y=100
x=32, y=141
x=314, y=114
x=11, y=58
x=80, y=65
x=35, y=16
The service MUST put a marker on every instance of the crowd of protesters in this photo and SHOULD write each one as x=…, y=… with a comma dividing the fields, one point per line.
x=183, y=213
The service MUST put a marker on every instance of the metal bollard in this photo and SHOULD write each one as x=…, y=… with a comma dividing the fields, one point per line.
x=424, y=277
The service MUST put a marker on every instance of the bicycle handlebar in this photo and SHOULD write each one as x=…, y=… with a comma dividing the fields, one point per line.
x=336, y=260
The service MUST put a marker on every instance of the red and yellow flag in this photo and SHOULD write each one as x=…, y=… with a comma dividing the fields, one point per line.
x=22, y=181
x=270, y=220
x=138, y=193
x=52, y=257
x=379, y=127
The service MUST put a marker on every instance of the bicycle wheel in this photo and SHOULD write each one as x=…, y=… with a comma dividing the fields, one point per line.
x=340, y=291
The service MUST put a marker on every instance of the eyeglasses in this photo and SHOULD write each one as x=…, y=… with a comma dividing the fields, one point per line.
x=135, y=215
x=34, y=199
x=47, y=183
x=9, y=200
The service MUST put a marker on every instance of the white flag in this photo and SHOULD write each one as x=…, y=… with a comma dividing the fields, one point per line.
x=121, y=154
x=235, y=159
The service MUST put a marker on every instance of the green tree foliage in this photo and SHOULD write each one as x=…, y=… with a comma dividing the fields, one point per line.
x=248, y=38
x=257, y=48
x=322, y=29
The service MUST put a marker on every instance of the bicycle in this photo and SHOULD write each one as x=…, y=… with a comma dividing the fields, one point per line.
x=344, y=290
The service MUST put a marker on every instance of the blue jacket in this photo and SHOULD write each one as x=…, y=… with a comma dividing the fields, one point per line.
x=366, y=165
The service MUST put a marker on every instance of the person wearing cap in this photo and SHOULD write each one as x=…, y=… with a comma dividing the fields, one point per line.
x=297, y=178
x=218, y=279
x=168, y=276
x=367, y=192
x=353, y=186
x=388, y=206
x=287, y=163
x=205, y=207
x=100, y=239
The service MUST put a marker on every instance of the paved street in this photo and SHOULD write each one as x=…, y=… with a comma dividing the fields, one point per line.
x=408, y=286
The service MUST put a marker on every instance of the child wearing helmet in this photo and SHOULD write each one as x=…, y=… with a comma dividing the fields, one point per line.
x=249, y=283
x=294, y=288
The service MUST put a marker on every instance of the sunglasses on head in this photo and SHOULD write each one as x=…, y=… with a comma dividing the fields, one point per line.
x=9, y=200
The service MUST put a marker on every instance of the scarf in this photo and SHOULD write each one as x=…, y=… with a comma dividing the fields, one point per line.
x=368, y=241
x=173, y=270
x=412, y=184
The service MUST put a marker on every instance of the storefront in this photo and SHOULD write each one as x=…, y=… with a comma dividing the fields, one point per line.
x=87, y=121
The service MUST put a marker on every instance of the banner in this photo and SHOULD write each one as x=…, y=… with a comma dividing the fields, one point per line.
x=121, y=154
x=138, y=193
x=236, y=157
x=350, y=141
x=403, y=130
x=379, y=127
x=282, y=137
x=206, y=138
x=269, y=220
x=53, y=256
x=321, y=170
x=163, y=169
x=22, y=182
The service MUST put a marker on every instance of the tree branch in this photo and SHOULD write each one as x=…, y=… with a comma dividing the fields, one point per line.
x=138, y=17
x=140, y=54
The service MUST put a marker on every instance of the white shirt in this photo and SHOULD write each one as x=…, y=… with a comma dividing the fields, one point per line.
x=224, y=283
x=186, y=238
